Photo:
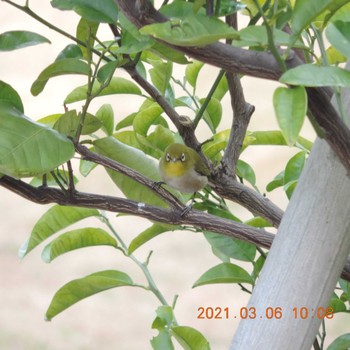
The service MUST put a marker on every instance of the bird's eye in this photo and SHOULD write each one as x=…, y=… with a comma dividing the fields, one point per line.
x=183, y=157
x=167, y=157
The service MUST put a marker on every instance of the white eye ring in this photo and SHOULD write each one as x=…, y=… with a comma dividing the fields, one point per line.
x=167, y=157
x=183, y=157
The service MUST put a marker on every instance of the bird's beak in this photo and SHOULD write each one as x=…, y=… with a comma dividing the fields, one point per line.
x=174, y=159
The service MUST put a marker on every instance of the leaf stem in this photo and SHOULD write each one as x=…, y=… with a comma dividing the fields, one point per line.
x=143, y=266
x=208, y=98
x=217, y=8
x=325, y=62
x=183, y=87
x=272, y=46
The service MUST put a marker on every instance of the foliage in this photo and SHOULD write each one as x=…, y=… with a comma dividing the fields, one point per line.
x=39, y=149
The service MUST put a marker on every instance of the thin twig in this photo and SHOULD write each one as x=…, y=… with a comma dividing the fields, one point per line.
x=113, y=165
x=200, y=113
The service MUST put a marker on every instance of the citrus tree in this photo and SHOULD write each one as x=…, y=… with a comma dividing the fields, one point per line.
x=302, y=44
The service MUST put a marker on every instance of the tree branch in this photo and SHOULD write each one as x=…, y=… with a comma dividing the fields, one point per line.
x=183, y=124
x=225, y=185
x=256, y=64
x=196, y=218
x=242, y=111
x=133, y=174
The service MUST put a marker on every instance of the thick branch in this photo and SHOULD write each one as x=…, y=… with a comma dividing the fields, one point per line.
x=173, y=216
x=257, y=204
x=196, y=218
x=256, y=64
x=225, y=186
x=242, y=112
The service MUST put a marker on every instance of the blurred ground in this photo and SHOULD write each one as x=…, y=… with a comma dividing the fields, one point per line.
x=120, y=318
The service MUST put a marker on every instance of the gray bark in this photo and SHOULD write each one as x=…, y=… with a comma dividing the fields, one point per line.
x=306, y=258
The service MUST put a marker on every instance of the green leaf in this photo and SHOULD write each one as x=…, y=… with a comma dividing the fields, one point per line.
x=161, y=137
x=127, y=121
x=272, y=137
x=146, y=117
x=294, y=167
x=229, y=7
x=76, y=239
x=197, y=5
x=212, y=149
x=256, y=36
x=163, y=322
x=79, y=289
x=116, y=86
x=54, y=220
x=162, y=341
x=334, y=57
x=213, y=113
x=292, y=172
x=165, y=317
x=337, y=305
x=161, y=74
x=278, y=181
x=305, y=11
x=221, y=89
x=148, y=234
x=100, y=11
x=28, y=148
x=190, y=339
x=86, y=32
x=68, y=124
x=132, y=40
x=313, y=76
x=136, y=160
x=9, y=95
x=345, y=286
x=106, y=115
x=19, y=39
x=338, y=13
x=245, y=171
x=50, y=120
x=60, y=67
x=129, y=138
x=192, y=30
x=338, y=34
x=224, y=273
x=231, y=247
x=168, y=53
x=37, y=181
x=340, y=343
x=215, y=210
x=258, y=265
x=290, y=187
x=70, y=51
x=290, y=108
x=192, y=72
x=106, y=72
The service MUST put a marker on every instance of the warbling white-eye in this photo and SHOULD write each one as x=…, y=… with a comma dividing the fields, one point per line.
x=183, y=169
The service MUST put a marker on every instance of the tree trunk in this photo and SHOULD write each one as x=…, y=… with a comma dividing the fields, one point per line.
x=305, y=261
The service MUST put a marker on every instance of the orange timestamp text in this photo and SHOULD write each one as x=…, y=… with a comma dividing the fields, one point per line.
x=277, y=312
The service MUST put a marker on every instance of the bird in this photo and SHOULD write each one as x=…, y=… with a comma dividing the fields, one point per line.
x=183, y=169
